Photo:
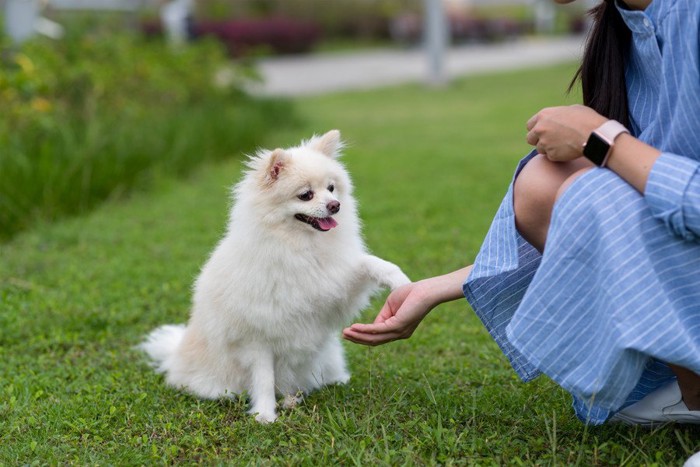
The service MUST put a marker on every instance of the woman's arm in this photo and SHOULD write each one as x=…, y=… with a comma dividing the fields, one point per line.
x=559, y=133
x=670, y=183
x=406, y=307
x=632, y=160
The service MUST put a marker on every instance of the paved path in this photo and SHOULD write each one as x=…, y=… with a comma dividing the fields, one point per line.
x=322, y=73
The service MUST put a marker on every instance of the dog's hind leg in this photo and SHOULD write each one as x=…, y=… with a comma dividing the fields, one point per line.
x=291, y=382
x=262, y=386
x=330, y=367
x=292, y=400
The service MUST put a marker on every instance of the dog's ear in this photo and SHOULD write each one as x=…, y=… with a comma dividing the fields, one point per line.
x=328, y=144
x=275, y=166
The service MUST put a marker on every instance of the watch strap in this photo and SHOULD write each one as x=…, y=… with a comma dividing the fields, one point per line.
x=611, y=130
x=607, y=132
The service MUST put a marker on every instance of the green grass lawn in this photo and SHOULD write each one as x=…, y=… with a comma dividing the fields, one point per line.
x=430, y=168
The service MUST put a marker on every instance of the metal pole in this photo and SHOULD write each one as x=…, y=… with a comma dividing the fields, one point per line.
x=544, y=16
x=174, y=16
x=436, y=32
x=20, y=19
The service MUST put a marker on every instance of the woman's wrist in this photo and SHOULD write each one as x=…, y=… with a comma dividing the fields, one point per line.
x=632, y=160
x=440, y=289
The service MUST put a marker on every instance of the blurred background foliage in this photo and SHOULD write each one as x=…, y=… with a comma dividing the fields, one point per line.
x=356, y=19
x=387, y=22
x=109, y=107
x=262, y=27
x=102, y=112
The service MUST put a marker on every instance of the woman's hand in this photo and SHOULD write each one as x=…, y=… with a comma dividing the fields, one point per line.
x=406, y=307
x=559, y=133
x=401, y=314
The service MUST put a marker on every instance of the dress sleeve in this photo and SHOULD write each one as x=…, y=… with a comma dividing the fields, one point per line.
x=673, y=194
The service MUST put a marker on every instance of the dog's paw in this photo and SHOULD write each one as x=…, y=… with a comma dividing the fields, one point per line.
x=265, y=417
x=394, y=277
x=292, y=400
x=397, y=278
x=385, y=273
x=336, y=376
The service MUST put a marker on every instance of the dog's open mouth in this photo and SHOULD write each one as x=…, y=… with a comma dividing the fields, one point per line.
x=324, y=224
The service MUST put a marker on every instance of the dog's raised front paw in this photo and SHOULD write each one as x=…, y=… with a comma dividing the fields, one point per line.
x=397, y=278
x=385, y=272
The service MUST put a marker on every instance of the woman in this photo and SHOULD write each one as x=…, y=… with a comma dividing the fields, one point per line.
x=589, y=272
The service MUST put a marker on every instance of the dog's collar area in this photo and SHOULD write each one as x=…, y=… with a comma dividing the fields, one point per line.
x=322, y=224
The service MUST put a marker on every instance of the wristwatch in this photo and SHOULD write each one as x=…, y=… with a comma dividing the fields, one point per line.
x=599, y=145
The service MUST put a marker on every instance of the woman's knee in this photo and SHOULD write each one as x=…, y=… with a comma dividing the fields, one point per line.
x=569, y=180
x=536, y=189
x=533, y=184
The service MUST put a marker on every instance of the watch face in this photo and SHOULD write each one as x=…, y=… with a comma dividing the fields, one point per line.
x=596, y=149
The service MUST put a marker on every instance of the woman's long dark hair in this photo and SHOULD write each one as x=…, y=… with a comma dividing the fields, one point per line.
x=602, y=71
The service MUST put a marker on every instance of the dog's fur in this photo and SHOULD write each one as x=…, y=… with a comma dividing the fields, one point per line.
x=270, y=302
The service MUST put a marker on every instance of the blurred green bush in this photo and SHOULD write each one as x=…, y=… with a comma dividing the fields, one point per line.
x=92, y=117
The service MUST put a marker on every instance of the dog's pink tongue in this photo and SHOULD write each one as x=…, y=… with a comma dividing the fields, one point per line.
x=327, y=223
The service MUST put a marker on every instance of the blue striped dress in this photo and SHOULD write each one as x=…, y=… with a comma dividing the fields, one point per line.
x=616, y=295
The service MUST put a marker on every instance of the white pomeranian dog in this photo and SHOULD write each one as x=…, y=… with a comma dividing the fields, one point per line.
x=290, y=272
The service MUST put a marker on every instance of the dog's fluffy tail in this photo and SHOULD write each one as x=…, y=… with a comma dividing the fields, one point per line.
x=160, y=344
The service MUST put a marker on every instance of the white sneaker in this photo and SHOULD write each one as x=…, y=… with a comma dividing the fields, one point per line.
x=693, y=461
x=665, y=405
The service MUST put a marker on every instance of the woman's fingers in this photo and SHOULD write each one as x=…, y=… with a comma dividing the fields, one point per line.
x=532, y=138
x=369, y=338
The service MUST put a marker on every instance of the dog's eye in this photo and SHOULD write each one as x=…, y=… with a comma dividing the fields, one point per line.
x=306, y=196
x=331, y=188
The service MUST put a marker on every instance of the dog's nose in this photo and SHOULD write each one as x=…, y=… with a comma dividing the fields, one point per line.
x=333, y=207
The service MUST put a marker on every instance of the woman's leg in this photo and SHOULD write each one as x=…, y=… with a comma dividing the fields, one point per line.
x=535, y=191
x=538, y=186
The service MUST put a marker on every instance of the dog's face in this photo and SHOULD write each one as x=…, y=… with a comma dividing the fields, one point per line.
x=316, y=201
x=304, y=187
